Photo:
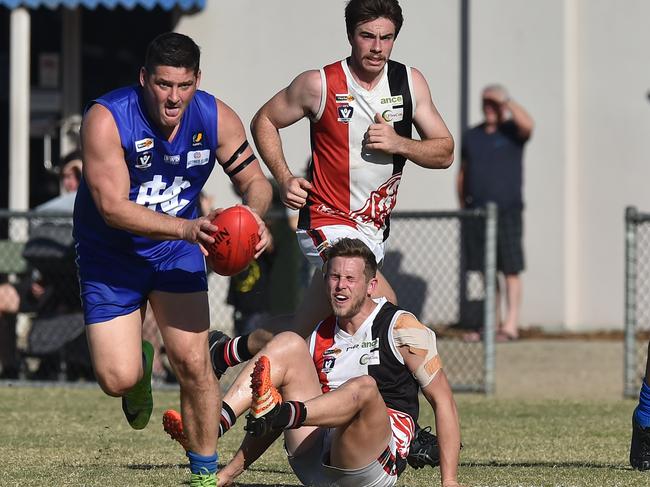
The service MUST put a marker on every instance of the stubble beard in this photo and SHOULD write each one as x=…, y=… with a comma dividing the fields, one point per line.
x=352, y=311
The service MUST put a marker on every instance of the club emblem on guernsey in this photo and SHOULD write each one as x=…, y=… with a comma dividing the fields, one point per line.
x=144, y=161
x=378, y=206
x=345, y=113
x=157, y=194
x=197, y=139
x=328, y=363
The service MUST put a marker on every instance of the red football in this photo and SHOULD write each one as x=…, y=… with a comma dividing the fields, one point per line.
x=235, y=241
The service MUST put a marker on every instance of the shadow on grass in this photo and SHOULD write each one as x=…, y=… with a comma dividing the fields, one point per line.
x=148, y=466
x=546, y=464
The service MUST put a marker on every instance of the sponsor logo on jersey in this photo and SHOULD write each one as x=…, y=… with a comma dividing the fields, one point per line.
x=394, y=115
x=345, y=113
x=197, y=139
x=198, y=158
x=156, y=193
x=143, y=144
x=332, y=351
x=175, y=159
x=371, y=358
x=371, y=344
x=344, y=98
x=392, y=100
x=328, y=364
x=144, y=161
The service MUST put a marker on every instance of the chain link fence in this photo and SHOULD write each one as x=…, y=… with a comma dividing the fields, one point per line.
x=637, y=298
x=426, y=263
x=41, y=322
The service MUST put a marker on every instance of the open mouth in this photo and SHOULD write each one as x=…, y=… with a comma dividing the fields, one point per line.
x=340, y=298
x=172, y=111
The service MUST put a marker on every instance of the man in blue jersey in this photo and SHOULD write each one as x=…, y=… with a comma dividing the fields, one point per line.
x=148, y=150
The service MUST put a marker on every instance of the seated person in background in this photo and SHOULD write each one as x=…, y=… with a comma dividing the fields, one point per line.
x=69, y=180
x=347, y=400
x=25, y=295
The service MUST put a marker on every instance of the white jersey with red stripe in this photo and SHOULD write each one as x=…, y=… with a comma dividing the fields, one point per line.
x=351, y=185
x=339, y=357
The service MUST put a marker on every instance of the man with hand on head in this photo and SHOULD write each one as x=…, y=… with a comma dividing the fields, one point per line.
x=148, y=150
x=492, y=171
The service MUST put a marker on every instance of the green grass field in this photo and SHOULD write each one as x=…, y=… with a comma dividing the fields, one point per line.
x=78, y=437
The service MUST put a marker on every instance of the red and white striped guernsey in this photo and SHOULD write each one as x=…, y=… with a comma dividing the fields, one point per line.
x=339, y=357
x=352, y=186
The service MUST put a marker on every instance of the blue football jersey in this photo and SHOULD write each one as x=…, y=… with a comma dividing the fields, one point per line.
x=165, y=176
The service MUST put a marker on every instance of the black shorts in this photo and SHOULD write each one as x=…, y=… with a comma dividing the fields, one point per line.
x=510, y=252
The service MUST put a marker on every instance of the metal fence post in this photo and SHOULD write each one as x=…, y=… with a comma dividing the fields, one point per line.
x=490, y=274
x=630, y=380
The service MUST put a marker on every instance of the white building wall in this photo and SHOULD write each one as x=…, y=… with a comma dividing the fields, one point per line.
x=252, y=49
x=579, y=66
x=615, y=146
x=520, y=45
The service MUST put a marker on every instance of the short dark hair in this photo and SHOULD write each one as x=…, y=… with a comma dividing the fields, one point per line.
x=172, y=49
x=353, y=247
x=71, y=156
x=359, y=11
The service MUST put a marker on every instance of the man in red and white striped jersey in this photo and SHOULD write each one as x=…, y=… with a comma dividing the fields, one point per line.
x=347, y=399
x=362, y=110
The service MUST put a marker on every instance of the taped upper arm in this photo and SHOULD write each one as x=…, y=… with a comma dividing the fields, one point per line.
x=417, y=344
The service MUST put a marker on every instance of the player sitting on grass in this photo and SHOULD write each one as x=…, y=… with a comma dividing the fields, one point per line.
x=348, y=399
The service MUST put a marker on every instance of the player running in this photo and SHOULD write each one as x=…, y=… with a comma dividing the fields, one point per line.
x=361, y=111
x=147, y=151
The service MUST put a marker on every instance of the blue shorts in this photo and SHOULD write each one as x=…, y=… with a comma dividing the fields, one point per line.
x=116, y=283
